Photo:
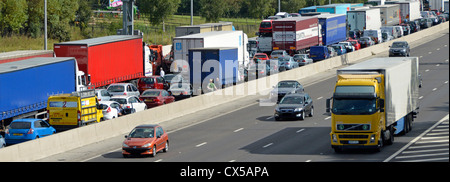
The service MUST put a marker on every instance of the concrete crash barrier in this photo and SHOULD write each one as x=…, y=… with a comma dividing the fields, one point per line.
x=69, y=140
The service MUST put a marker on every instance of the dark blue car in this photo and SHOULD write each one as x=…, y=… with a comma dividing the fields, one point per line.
x=22, y=130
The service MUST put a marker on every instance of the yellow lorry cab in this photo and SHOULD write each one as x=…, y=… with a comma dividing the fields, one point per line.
x=67, y=111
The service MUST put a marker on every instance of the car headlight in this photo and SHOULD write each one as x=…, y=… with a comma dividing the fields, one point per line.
x=125, y=145
x=147, y=145
x=298, y=109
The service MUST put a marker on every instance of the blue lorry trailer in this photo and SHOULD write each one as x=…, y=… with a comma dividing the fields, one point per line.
x=309, y=9
x=219, y=64
x=334, y=28
x=334, y=8
x=26, y=85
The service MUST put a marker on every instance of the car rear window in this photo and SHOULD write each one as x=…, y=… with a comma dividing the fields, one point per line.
x=116, y=88
x=151, y=93
x=147, y=80
x=119, y=100
x=266, y=25
x=20, y=125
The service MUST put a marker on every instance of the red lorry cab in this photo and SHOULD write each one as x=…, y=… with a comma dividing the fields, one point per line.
x=265, y=26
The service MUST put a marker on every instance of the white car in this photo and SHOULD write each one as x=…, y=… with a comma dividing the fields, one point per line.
x=130, y=102
x=126, y=89
x=349, y=46
x=110, y=109
x=102, y=95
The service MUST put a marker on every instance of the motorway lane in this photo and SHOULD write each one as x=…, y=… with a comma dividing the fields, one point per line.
x=250, y=133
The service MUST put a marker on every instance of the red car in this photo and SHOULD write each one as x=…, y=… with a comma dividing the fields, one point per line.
x=144, y=140
x=355, y=43
x=156, y=97
x=152, y=82
x=261, y=56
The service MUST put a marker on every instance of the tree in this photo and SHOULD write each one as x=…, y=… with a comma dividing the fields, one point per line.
x=212, y=10
x=14, y=15
x=292, y=6
x=260, y=8
x=83, y=14
x=157, y=10
x=60, y=14
x=36, y=21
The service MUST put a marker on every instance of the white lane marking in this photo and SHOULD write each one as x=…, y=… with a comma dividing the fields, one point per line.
x=427, y=70
x=434, y=89
x=319, y=98
x=265, y=146
x=327, y=117
x=238, y=130
x=270, y=117
x=308, y=161
x=446, y=82
x=299, y=131
x=420, y=97
x=204, y=143
x=415, y=139
x=232, y=161
x=438, y=64
x=159, y=160
x=429, y=52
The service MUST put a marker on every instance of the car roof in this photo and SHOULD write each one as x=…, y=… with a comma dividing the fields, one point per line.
x=147, y=126
x=121, y=96
x=153, y=90
x=299, y=94
x=107, y=102
x=120, y=84
x=26, y=120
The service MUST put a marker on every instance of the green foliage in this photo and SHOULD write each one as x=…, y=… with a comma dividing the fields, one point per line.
x=14, y=16
x=212, y=10
x=157, y=10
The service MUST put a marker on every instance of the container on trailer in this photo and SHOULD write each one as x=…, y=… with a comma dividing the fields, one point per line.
x=202, y=28
x=409, y=10
x=333, y=28
x=363, y=19
x=389, y=14
x=21, y=55
x=296, y=34
x=26, y=85
x=106, y=60
x=334, y=8
x=217, y=63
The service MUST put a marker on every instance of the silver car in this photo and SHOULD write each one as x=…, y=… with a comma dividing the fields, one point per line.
x=126, y=89
x=302, y=59
x=102, y=94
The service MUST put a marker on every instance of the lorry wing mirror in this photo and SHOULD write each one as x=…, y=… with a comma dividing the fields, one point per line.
x=89, y=78
x=381, y=102
x=328, y=104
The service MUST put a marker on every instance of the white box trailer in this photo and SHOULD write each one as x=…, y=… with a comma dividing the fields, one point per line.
x=409, y=10
x=366, y=19
x=389, y=14
x=401, y=86
x=446, y=6
x=237, y=39
x=436, y=4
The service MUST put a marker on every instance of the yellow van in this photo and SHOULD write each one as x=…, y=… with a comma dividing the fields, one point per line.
x=67, y=111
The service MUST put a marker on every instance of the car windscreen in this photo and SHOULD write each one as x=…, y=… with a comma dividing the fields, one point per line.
x=142, y=133
x=266, y=25
x=292, y=100
x=116, y=88
x=286, y=85
x=20, y=125
x=398, y=45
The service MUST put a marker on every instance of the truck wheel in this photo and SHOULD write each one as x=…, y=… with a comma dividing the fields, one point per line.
x=380, y=142
x=390, y=141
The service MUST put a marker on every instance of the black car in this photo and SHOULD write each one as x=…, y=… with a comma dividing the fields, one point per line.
x=399, y=48
x=294, y=106
x=285, y=87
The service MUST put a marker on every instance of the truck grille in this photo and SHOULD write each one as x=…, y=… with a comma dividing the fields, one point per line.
x=354, y=136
